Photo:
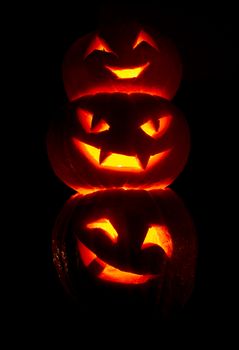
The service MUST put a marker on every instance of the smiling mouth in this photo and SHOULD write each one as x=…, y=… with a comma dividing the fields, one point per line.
x=127, y=73
x=116, y=161
x=108, y=272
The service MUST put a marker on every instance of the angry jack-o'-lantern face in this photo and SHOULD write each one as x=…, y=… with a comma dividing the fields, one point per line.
x=126, y=238
x=126, y=58
x=111, y=140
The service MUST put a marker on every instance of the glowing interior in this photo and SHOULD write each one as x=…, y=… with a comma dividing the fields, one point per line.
x=129, y=89
x=160, y=236
x=108, y=272
x=127, y=73
x=87, y=120
x=98, y=44
x=144, y=37
x=84, y=191
x=106, y=226
x=156, y=128
x=112, y=274
x=115, y=161
x=149, y=128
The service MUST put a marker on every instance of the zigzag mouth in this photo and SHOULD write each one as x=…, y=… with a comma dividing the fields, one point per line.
x=116, y=161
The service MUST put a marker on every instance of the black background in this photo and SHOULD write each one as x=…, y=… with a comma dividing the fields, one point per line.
x=204, y=38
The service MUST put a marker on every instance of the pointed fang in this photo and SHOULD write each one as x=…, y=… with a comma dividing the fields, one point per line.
x=143, y=159
x=103, y=156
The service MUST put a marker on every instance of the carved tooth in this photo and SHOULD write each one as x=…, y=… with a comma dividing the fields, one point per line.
x=103, y=156
x=143, y=159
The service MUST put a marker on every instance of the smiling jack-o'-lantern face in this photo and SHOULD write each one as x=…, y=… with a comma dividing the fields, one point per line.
x=156, y=236
x=126, y=238
x=112, y=140
x=126, y=59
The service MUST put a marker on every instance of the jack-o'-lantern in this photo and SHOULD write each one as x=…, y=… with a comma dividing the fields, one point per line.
x=122, y=58
x=127, y=239
x=119, y=140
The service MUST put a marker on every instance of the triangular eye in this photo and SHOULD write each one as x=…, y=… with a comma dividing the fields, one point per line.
x=91, y=123
x=150, y=128
x=157, y=127
x=159, y=235
x=106, y=227
x=98, y=44
x=144, y=37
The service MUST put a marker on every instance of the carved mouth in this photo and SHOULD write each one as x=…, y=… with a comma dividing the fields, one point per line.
x=127, y=73
x=116, y=161
x=108, y=272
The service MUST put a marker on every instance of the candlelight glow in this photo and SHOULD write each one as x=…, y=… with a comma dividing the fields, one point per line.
x=116, y=161
x=106, y=226
x=110, y=273
x=160, y=236
x=127, y=73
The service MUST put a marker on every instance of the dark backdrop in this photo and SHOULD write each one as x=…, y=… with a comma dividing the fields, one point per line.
x=204, y=38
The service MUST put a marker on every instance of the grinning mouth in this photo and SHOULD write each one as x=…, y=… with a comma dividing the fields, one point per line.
x=127, y=73
x=116, y=161
x=108, y=272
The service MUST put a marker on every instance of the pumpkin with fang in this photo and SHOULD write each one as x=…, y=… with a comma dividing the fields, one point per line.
x=119, y=140
x=124, y=239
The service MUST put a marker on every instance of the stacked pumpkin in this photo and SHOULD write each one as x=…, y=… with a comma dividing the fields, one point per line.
x=120, y=145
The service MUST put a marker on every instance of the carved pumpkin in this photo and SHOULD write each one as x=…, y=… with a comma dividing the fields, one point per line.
x=127, y=238
x=119, y=140
x=123, y=58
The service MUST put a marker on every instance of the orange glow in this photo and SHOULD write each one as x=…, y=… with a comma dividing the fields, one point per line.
x=127, y=73
x=84, y=191
x=165, y=122
x=157, y=127
x=110, y=273
x=89, y=123
x=115, y=161
x=129, y=89
x=101, y=126
x=148, y=128
x=144, y=37
x=106, y=226
x=122, y=162
x=160, y=236
x=85, y=118
x=87, y=255
x=98, y=44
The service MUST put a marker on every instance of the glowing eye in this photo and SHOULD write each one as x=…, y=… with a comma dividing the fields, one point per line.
x=100, y=126
x=106, y=227
x=85, y=118
x=144, y=37
x=98, y=44
x=157, y=127
x=159, y=235
x=91, y=123
x=149, y=128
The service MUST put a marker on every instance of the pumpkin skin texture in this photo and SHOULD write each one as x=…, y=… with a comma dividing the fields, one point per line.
x=119, y=140
x=128, y=243
x=122, y=58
